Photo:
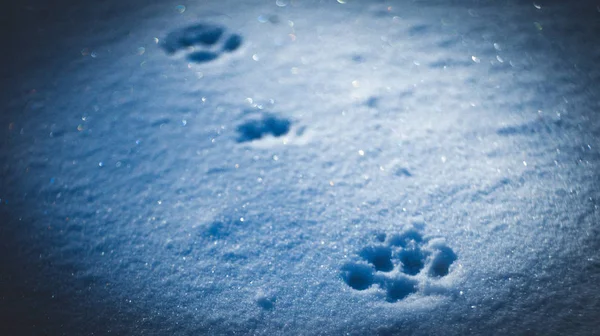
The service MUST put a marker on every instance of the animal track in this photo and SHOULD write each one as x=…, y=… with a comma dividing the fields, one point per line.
x=358, y=276
x=206, y=42
x=258, y=128
x=379, y=256
x=399, y=288
x=397, y=263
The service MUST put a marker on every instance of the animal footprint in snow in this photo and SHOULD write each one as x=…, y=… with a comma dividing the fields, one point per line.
x=398, y=264
x=261, y=126
x=205, y=42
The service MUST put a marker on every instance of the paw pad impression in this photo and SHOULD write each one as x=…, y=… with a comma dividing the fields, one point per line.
x=397, y=264
x=205, y=42
x=262, y=126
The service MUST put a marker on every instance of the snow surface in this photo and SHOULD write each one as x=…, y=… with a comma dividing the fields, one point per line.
x=301, y=167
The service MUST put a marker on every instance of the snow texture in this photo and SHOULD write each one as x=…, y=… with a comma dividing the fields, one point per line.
x=300, y=168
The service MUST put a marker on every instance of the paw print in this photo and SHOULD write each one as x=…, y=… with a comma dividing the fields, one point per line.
x=266, y=124
x=397, y=263
x=205, y=42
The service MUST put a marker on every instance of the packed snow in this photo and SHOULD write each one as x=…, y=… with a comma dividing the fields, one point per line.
x=300, y=168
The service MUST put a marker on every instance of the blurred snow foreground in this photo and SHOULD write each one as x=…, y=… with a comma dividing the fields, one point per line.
x=308, y=167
